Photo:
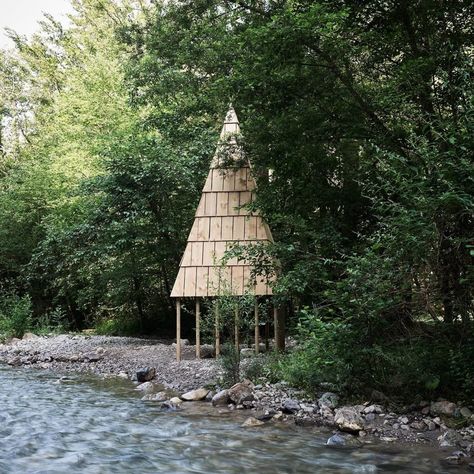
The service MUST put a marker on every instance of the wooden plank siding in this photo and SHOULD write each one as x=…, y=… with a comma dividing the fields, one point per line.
x=221, y=221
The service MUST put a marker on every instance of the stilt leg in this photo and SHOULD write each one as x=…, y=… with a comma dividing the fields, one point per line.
x=218, y=338
x=198, y=329
x=236, y=328
x=178, y=330
x=257, y=335
x=275, y=327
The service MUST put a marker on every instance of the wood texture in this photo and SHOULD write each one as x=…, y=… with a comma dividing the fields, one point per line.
x=222, y=220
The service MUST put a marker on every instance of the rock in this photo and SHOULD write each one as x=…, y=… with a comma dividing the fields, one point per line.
x=329, y=400
x=290, y=406
x=449, y=438
x=370, y=417
x=247, y=352
x=146, y=374
x=443, y=408
x=184, y=342
x=221, y=398
x=240, y=392
x=340, y=439
x=122, y=375
x=207, y=351
x=465, y=412
x=176, y=401
x=251, y=422
x=388, y=439
x=94, y=357
x=14, y=361
x=403, y=420
x=147, y=387
x=155, y=397
x=195, y=395
x=348, y=419
x=29, y=336
x=373, y=409
x=425, y=410
x=418, y=425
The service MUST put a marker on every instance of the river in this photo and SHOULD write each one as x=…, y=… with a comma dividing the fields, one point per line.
x=90, y=425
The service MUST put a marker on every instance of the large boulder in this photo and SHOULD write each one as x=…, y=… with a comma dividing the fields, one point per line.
x=195, y=395
x=147, y=387
x=443, y=408
x=290, y=406
x=241, y=392
x=348, y=419
x=221, y=398
x=329, y=400
x=145, y=374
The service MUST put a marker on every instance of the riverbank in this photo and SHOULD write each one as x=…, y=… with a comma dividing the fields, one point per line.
x=442, y=423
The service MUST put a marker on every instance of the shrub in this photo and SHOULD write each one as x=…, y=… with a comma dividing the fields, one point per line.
x=15, y=315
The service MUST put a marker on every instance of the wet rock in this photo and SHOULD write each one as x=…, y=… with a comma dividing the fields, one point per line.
x=146, y=374
x=329, y=400
x=348, y=419
x=443, y=408
x=241, y=392
x=147, y=387
x=343, y=439
x=290, y=406
x=155, y=397
x=176, y=401
x=195, y=395
x=14, y=361
x=449, y=438
x=221, y=398
x=251, y=422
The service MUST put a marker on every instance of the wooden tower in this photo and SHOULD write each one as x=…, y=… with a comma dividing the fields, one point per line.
x=220, y=222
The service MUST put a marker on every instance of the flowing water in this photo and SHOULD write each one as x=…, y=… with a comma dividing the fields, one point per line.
x=90, y=425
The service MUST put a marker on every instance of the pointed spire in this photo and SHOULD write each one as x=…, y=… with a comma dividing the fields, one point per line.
x=231, y=123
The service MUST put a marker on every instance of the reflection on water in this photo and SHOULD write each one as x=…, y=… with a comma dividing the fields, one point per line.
x=94, y=426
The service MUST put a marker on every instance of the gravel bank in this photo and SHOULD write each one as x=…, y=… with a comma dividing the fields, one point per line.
x=106, y=355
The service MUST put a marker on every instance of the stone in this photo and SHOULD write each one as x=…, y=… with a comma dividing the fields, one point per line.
x=425, y=410
x=29, y=336
x=329, y=400
x=373, y=409
x=146, y=374
x=176, y=401
x=122, y=375
x=418, y=425
x=184, y=342
x=93, y=357
x=251, y=422
x=147, y=387
x=465, y=412
x=290, y=406
x=343, y=439
x=155, y=397
x=348, y=419
x=449, y=438
x=247, y=352
x=370, y=417
x=388, y=439
x=241, y=392
x=443, y=408
x=195, y=395
x=403, y=420
x=14, y=361
x=221, y=398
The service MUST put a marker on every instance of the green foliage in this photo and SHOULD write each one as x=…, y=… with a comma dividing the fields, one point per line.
x=15, y=314
x=229, y=362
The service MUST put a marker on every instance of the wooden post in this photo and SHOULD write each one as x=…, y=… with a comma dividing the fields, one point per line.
x=198, y=329
x=275, y=327
x=178, y=330
x=236, y=328
x=279, y=322
x=218, y=339
x=257, y=335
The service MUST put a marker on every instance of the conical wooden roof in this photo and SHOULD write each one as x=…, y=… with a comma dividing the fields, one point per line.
x=219, y=222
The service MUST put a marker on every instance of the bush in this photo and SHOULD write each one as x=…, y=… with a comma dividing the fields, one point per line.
x=429, y=362
x=229, y=362
x=15, y=315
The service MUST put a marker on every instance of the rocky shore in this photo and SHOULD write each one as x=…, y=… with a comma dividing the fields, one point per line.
x=151, y=365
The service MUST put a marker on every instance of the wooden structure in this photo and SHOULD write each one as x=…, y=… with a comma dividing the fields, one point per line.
x=220, y=222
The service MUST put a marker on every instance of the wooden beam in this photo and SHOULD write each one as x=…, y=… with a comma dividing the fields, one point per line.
x=257, y=332
x=279, y=322
x=218, y=338
x=198, y=329
x=236, y=328
x=178, y=330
